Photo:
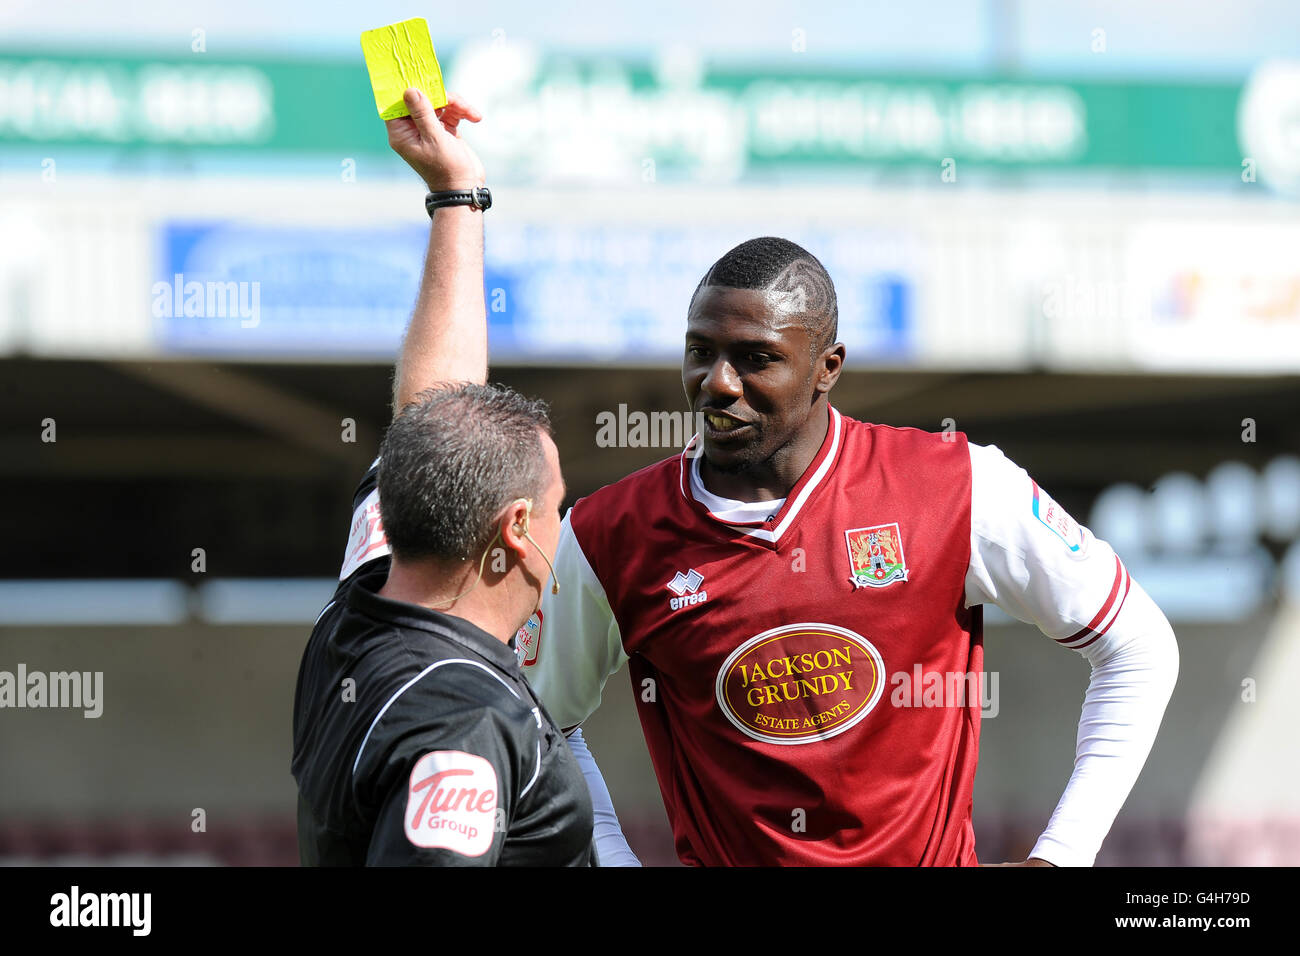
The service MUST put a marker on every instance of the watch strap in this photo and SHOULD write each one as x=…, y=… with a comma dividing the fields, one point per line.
x=480, y=197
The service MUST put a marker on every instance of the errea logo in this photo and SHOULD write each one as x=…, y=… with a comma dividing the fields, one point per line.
x=686, y=587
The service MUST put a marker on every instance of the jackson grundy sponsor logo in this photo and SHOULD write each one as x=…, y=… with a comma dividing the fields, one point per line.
x=800, y=682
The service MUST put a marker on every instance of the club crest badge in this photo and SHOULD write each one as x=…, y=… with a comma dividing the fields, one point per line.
x=876, y=556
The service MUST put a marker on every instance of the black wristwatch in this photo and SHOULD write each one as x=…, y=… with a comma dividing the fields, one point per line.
x=480, y=197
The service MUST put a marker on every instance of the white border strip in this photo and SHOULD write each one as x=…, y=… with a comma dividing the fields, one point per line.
x=405, y=687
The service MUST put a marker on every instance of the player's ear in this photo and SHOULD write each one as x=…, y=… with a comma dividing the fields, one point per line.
x=829, y=366
x=513, y=524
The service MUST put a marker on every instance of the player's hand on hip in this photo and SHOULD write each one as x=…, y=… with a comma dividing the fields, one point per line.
x=430, y=143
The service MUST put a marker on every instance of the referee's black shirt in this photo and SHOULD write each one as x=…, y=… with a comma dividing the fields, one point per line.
x=417, y=740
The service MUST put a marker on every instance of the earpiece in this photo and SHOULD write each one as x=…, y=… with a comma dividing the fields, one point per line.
x=522, y=528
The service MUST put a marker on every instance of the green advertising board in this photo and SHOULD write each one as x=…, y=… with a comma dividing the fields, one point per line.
x=725, y=123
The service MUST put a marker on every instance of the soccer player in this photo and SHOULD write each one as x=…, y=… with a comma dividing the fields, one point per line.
x=798, y=596
x=416, y=739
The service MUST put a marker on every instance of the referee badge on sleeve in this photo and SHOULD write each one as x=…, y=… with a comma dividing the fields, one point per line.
x=527, y=640
x=366, y=540
x=451, y=802
x=1058, y=521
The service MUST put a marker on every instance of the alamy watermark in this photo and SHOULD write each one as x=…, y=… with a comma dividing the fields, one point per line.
x=638, y=429
x=938, y=689
x=83, y=690
x=208, y=300
x=1072, y=298
x=75, y=908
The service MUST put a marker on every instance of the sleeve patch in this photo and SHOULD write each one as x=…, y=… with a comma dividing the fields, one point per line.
x=528, y=639
x=451, y=803
x=366, y=540
x=1058, y=521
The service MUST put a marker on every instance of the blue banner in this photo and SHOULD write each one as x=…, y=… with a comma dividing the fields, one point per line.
x=554, y=294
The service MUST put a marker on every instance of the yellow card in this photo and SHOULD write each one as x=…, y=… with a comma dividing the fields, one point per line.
x=398, y=57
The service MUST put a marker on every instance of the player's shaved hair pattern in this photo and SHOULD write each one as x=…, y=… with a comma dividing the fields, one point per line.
x=778, y=265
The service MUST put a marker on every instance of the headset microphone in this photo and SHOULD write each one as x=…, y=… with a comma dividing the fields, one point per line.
x=523, y=529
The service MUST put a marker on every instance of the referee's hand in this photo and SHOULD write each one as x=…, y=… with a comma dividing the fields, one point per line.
x=429, y=142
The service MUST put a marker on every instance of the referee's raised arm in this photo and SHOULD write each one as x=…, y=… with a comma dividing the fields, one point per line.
x=446, y=340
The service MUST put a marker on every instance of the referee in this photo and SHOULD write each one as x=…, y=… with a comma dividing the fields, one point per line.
x=416, y=739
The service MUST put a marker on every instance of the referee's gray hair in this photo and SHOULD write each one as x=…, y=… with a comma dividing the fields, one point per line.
x=451, y=460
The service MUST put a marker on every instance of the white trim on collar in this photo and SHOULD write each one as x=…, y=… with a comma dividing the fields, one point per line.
x=774, y=535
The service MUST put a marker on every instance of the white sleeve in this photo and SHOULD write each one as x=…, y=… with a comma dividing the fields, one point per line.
x=1030, y=558
x=578, y=641
x=611, y=845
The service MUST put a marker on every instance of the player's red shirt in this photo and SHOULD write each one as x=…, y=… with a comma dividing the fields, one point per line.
x=808, y=685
